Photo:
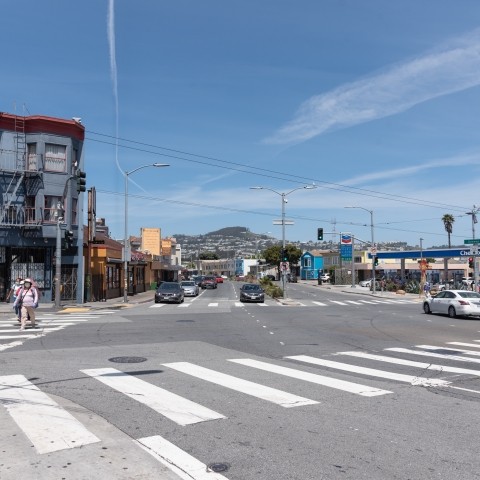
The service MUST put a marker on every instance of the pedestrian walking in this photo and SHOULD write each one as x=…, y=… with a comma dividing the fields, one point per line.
x=426, y=289
x=27, y=300
x=12, y=293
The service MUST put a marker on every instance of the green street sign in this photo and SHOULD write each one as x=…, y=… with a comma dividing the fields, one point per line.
x=472, y=241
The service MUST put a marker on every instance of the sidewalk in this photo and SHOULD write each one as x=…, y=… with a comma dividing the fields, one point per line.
x=116, y=303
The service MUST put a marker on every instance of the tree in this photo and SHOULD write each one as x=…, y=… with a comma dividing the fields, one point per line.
x=208, y=256
x=447, y=220
x=273, y=254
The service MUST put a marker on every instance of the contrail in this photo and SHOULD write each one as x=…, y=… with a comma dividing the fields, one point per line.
x=451, y=68
x=113, y=69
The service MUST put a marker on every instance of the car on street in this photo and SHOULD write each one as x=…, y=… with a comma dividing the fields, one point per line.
x=325, y=277
x=252, y=292
x=198, y=279
x=453, y=303
x=365, y=283
x=219, y=279
x=170, y=292
x=190, y=288
x=209, y=281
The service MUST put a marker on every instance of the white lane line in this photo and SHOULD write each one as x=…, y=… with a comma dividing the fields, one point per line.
x=435, y=355
x=353, y=302
x=40, y=329
x=313, y=378
x=273, y=395
x=461, y=350
x=9, y=337
x=213, y=304
x=6, y=346
x=368, y=301
x=262, y=304
x=411, y=363
x=157, y=305
x=177, y=460
x=474, y=345
x=372, y=372
x=176, y=408
x=48, y=426
x=239, y=304
x=184, y=305
x=337, y=302
x=320, y=304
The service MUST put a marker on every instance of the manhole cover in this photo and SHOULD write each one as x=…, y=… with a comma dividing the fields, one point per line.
x=218, y=467
x=127, y=359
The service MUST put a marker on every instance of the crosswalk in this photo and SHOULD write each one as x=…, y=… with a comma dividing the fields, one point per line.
x=50, y=428
x=45, y=323
x=301, y=303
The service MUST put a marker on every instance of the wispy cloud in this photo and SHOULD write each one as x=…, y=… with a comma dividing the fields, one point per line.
x=451, y=162
x=451, y=68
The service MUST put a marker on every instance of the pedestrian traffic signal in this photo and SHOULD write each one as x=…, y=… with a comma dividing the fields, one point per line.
x=470, y=262
x=284, y=256
x=319, y=233
x=68, y=238
x=375, y=262
x=81, y=182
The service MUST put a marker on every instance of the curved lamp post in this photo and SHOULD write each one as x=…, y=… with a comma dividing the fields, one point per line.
x=372, y=247
x=126, y=249
x=284, y=201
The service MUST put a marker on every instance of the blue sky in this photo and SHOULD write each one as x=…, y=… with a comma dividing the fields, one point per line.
x=375, y=102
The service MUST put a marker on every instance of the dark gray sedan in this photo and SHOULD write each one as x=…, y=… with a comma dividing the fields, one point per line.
x=170, y=292
x=252, y=292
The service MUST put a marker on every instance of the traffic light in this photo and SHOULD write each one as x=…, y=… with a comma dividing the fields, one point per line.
x=376, y=261
x=284, y=255
x=470, y=262
x=68, y=238
x=81, y=182
x=319, y=233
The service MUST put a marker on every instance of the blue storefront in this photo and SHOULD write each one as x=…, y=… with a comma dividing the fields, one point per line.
x=310, y=264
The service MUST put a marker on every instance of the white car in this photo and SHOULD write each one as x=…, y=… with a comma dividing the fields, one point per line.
x=190, y=288
x=324, y=277
x=365, y=283
x=454, y=303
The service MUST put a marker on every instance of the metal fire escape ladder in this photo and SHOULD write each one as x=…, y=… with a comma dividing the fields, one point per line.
x=19, y=173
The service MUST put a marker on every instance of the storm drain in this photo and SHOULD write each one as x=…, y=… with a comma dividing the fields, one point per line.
x=127, y=359
x=218, y=467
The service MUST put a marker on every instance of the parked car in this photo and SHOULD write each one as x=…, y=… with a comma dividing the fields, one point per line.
x=209, y=281
x=219, y=279
x=325, y=277
x=190, y=288
x=252, y=292
x=453, y=303
x=271, y=277
x=365, y=283
x=170, y=292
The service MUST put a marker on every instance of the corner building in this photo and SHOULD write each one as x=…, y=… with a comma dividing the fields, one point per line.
x=40, y=158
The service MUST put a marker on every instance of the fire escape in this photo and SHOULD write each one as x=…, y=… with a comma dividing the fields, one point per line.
x=21, y=180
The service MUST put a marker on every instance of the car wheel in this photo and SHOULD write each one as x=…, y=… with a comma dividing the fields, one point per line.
x=451, y=312
x=426, y=308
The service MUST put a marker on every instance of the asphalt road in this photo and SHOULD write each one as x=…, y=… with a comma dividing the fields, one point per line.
x=336, y=386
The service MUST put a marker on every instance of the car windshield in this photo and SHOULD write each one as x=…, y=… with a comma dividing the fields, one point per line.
x=469, y=294
x=188, y=284
x=169, y=286
x=251, y=287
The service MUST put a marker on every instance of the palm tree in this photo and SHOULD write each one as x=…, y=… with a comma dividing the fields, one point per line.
x=447, y=220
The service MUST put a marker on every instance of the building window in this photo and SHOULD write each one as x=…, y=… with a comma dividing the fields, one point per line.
x=32, y=159
x=74, y=211
x=50, y=211
x=30, y=216
x=55, y=158
x=307, y=262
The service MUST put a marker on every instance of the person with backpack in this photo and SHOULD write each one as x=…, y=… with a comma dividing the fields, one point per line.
x=27, y=300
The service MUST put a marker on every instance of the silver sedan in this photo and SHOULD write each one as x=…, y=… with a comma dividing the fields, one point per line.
x=190, y=288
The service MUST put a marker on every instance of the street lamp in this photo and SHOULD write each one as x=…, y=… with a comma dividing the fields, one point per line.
x=125, y=240
x=372, y=247
x=284, y=201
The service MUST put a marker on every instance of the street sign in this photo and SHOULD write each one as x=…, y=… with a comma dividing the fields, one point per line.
x=472, y=241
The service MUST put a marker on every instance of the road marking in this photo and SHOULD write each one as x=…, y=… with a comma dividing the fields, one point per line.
x=337, y=302
x=368, y=301
x=48, y=426
x=313, y=378
x=436, y=355
x=44, y=328
x=474, y=345
x=157, y=305
x=273, y=395
x=8, y=337
x=320, y=304
x=399, y=377
x=239, y=304
x=177, y=460
x=461, y=350
x=213, y=304
x=411, y=363
x=184, y=305
x=176, y=408
x=352, y=301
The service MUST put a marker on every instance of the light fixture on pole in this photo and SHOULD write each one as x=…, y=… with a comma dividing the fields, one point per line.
x=284, y=201
x=126, y=243
x=373, y=248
